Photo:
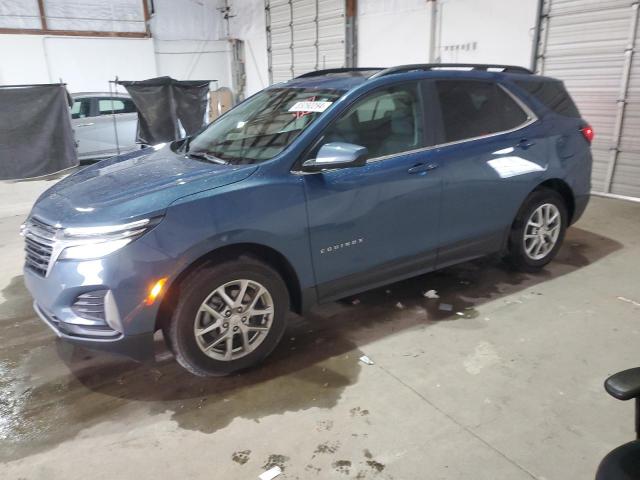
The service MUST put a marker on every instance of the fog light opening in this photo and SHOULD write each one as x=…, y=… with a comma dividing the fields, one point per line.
x=155, y=291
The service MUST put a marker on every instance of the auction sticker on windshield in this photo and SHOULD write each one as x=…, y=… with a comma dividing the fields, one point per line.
x=310, y=106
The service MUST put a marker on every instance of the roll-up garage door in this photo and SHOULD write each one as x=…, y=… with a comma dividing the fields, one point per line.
x=587, y=44
x=304, y=35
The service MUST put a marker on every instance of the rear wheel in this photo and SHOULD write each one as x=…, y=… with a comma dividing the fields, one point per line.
x=228, y=317
x=538, y=230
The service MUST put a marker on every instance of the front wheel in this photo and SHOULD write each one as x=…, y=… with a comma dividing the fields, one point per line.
x=538, y=230
x=228, y=317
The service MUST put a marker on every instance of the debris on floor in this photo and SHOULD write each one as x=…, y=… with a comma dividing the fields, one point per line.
x=400, y=305
x=628, y=300
x=270, y=474
x=355, y=301
x=366, y=360
x=445, y=307
x=431, y=294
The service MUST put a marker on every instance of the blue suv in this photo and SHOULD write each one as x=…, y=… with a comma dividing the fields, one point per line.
x=311, y=190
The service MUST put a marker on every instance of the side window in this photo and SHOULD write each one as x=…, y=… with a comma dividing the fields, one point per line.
x=81, y=108
x=386, y=122
x=119, y=105
x=473, y=109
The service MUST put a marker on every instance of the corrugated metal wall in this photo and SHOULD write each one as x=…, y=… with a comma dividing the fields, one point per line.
x=304, y=35
x=588, y=44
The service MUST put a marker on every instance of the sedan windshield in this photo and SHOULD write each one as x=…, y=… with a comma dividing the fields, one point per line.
x=263, y=126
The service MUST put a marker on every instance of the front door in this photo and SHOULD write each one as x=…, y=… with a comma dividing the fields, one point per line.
x=378, y=223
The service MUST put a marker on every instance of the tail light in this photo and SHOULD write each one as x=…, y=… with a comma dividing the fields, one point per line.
x=587, y=133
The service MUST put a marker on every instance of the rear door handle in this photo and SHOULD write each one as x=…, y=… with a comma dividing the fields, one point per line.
x=524, y=144
x=422, y=168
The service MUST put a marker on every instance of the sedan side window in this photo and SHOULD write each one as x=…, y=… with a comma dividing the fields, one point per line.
x=81, y=108
x=473, y=109
x=107, y=106
x=388, y=121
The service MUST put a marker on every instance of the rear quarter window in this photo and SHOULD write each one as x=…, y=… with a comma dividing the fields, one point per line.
x=472, y=109
x=551, y=94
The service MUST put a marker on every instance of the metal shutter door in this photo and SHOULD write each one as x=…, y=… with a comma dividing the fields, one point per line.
x=626, y=171
x=304, y=35
x=583, y=43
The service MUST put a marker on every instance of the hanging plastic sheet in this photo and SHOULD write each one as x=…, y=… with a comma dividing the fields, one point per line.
x=164, y=104
x=36, y=137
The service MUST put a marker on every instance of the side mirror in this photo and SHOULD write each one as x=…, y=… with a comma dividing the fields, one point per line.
x=337, y=155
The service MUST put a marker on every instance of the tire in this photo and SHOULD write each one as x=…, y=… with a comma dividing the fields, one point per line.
x=263, y=331
x=522, y=252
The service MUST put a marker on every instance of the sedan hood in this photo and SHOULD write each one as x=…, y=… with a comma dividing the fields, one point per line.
x=141, y=183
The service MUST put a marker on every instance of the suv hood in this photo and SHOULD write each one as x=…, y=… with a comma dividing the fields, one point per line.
x=141, y=183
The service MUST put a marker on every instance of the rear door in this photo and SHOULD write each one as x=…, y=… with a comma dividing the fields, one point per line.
x=96, y=131
x=493, y=153
x=371, y=225
x=126, y=120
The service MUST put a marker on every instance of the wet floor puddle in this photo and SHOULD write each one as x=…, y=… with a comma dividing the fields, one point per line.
x=50, y=391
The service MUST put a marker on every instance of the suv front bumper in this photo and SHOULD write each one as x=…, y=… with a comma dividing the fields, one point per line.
x=100, y=304
x=138, y=347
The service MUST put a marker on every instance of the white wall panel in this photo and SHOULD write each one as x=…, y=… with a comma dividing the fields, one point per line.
x=393, y=32
x=85, y=64
x=490, y=31
x=195, y=60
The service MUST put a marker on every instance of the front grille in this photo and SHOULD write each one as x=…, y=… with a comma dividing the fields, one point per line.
x=90, y=305
x=39, y=240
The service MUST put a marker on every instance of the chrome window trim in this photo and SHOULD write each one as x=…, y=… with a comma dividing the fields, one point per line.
x=531, y=118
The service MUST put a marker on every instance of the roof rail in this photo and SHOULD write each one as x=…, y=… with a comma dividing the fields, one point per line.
x=327, y=71
x=437, y=66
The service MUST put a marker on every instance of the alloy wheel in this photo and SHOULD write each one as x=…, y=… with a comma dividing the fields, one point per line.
x=234, y=320
x=542, y=231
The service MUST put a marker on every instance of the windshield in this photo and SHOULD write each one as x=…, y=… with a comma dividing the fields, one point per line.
x=263, y=126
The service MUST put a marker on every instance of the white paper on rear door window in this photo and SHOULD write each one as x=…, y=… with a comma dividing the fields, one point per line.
x=315, y=107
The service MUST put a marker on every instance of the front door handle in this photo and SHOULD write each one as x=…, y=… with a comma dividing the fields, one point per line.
x=524, y=144
x=85, y=124
x=422, y=168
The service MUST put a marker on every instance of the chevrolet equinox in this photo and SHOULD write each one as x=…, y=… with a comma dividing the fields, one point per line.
x=332, y=183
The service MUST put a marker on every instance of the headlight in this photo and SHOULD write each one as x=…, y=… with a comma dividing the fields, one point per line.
x=86, y=243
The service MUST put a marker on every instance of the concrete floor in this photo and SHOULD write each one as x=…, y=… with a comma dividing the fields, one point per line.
x=508, y=385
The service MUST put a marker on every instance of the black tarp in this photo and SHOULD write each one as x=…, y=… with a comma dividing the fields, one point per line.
x=163, y=102
x=36, y=137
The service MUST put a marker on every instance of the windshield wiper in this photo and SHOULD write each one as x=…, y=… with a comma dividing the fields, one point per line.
x=207, y=156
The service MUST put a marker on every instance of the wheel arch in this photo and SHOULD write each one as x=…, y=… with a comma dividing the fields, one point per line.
x=565, y=191
x=557, y=185
x=260, y=252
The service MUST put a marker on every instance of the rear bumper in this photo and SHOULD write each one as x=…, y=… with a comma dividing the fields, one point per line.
x=138, y=347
